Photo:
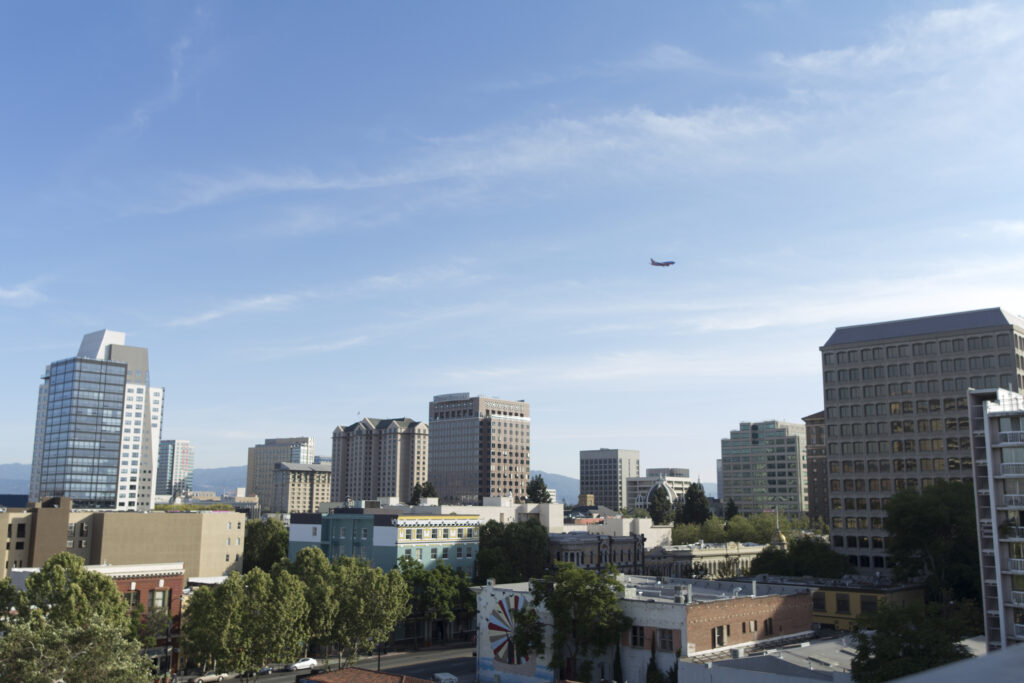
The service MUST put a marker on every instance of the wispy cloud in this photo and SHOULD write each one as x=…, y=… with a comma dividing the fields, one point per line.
x=171, y=92
x=665, y=58
x=23, y=294
x=270, y=302
x=312, y=348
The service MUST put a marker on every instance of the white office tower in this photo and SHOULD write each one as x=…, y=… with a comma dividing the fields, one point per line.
x=97, y=427
x=175, y=465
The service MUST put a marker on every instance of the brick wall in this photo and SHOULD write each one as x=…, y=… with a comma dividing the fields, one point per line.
x=789, y=614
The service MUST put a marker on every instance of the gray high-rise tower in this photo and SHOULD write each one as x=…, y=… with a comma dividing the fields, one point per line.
x=97, y=427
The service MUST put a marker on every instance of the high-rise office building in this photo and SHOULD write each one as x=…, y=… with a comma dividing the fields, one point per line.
x=764, y=467
x=604, y=472
x=259, y=473
x=378, y=458
x=896, y=412
x=97, y=426
x=175, y=464
x=479, y=447
x=997, y=433
x=817, y=468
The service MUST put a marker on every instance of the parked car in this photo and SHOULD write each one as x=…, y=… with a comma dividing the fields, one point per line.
x=209, y=677
x=263, y=671
x=304, y=663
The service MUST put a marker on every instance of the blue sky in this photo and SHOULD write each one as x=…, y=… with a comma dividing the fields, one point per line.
x=313, y=212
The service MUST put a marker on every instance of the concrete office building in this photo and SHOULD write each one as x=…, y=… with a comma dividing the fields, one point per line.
x=817, y=467
x=997, y=430
x=378, y=459
x=764, y=467
x=97, y=427
x=603, y=472
x=300, y=488
x=207, y=543
x=479, y=447
x=896, y=412
x=175, y=465
x=259, y=475
x=675, y=481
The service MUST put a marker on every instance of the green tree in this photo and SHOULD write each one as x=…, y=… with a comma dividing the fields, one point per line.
x=537, y=491
x=617, y=666
x=416, y=495
x=731, y=510
x=429, y=491
x=314, y=570
x=269, y=622
x=585, y=613
x=695, y=508
x=517, y=551
x=695, y=570
x=69, y=624
x=806, y=556
x=739, y=529
x=371, y=603
x=266, y=542
x=659, y=506
x=89, y=650
x=713, y=530
x=933, y=534
x=685, y=533
x=203, y=623
x=898, y=641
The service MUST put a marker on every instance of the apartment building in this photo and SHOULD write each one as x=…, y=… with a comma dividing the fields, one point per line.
x=896, y=412
x=259, y=473
x=206, y=543
x=98, y=422
x=300, y=487
x=604, y=472
x=376, y=458
x=479, y=447
x=764, y=467
x=997, y=432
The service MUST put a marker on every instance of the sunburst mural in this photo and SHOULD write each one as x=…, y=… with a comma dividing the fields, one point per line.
x=500, y=625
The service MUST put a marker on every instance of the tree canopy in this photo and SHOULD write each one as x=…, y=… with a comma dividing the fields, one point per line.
x=693, y=507
x=660, y=506
x=537, y=491
x=898, y=641
x=805, y=556
x=933, y=533
x=436, y=594
x=371, y=602
x=266, y=542
x=517, y=551
x=586, y=617
x=421, y=491
x=69, y=624
x=731, y=510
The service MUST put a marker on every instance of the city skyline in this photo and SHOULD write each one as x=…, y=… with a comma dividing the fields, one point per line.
x=309, y=218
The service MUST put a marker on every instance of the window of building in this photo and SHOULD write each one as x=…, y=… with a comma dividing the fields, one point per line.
x=868, y=604
x=314, y=531
x=843, y=603
x=718, y=636
x=636, y=636
x=665, y=639
x=433, y=533
x=364, y=533
x=132, y=597
x=158, y=599
x=433, y=553
x=818, y=601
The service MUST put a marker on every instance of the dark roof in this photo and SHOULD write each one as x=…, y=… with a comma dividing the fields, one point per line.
x=302, y=467
x=306, y=518
x=933, y=324
x=772, y=665
x=377, y=423
x=354, y=674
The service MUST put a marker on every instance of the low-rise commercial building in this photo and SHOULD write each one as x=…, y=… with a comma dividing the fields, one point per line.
x=706, y=560
x=208, y=543
x=689, y=617
x=596, y=551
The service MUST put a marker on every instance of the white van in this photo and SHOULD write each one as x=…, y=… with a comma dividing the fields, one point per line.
x=445, y=678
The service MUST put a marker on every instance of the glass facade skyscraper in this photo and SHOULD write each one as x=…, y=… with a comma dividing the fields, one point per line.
x=175, y=465
x=95, y=427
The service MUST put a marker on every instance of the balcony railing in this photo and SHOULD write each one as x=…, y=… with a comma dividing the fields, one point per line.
x=1016, y=565
x=1014, y=499
x=1017, y=597
x=1011, y=532
x=1018, y=630
x=1011, y=469
x=1011, y=437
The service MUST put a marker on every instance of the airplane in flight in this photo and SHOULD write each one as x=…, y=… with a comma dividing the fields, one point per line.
x=663, y=264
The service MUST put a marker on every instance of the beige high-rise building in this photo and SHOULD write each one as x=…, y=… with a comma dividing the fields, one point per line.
x=378, y=458
x=764, y=467
x=300, y=488
x=259, y=475
x=479, y=447
x=207, y=543
x=896, y=412
x=604, y=472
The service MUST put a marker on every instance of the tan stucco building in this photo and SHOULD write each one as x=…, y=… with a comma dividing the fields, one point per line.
x=300, y=488
x=259, y=472
x=209, y=543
